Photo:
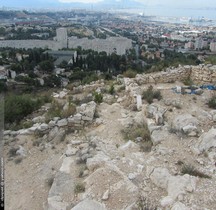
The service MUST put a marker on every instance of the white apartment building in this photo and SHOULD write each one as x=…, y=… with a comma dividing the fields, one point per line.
x=213, y=46
x=119, y=45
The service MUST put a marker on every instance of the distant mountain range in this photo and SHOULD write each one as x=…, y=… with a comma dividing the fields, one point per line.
x=107, y=4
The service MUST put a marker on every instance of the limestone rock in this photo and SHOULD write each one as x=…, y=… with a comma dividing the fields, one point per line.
x=63, y=185
x=62, y=122
x=139, y=118
x=129, y=147
x=71, y=150
x=166, y=201
x=179, y=206
x=158, y=136
x=66, y=165
x=56, y=203
x=97, y=161
x=139, y=102
x=160, y=177
x=39, y=119
x=190, y=130
x=185, y=123
x=60, y=136
x=21, y=151
x=89, y=205
x=156, y=112
x=43, y=127
x=87, y=110
x=62, y=94
x=105, y=196
x=178, y=185
x=53, y=133
x=111, y=177
x=207, y=140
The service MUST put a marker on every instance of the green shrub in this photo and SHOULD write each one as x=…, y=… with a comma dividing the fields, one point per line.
x=79, y=188
x=3, y=86
x=90, y=78
x=191, y=170
x=19, y=106
x=136, y=131
x=130, y=73
x=98, y=97
x=18, y=160
x=151, y=94
x=69, y=111
x=212, y=102
x=12, y=152
x=111, y=89
x=55, y=110
x=26, y=124
x=188, y=81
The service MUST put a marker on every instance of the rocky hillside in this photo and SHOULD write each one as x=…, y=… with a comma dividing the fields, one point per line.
x=121, y=154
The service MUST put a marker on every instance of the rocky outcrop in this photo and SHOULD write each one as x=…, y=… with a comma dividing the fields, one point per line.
x=174, y=185
x=156, y=112
x=110, y=178
x=87, y=111
x=207, y=141
x=88, y=204
x=85, y=114
x=160, y=177
x=187, y=124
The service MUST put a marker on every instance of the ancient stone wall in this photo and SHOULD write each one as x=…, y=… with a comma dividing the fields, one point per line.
x=201, y=74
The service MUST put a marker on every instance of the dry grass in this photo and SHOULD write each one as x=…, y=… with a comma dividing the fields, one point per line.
x=191, y=170
x=144, y=204
x=136, y=131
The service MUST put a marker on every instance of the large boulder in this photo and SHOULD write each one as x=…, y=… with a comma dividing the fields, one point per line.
x=87, y=111
x=111, y=178
x=174, y=185
x=180, y=185
x=159, y=135
x=160, y=177
x=43, y=127
x=179, y=206
x=88, y=204
x=56, y=203
x=62, y=122
x=63, y=185
x=39, y=119
x=186, y=123
x=207, y=140
x=97, y=161
x=53, y=133
x=156, y=112
x=60, y=136
x=129, y=147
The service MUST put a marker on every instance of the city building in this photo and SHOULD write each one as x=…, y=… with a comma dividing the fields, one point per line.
x=117, y=45
x=213, y=46
x=200, y=44
x=62, y=37
x=189, y=45
x=62, y=55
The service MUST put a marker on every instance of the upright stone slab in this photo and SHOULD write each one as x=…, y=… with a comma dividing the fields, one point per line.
x=139, y=102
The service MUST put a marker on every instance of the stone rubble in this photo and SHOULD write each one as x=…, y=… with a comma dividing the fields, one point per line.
x=115, y=173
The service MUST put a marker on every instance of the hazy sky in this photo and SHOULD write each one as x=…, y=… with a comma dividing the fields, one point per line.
x=176, y=3
x=189, y=8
